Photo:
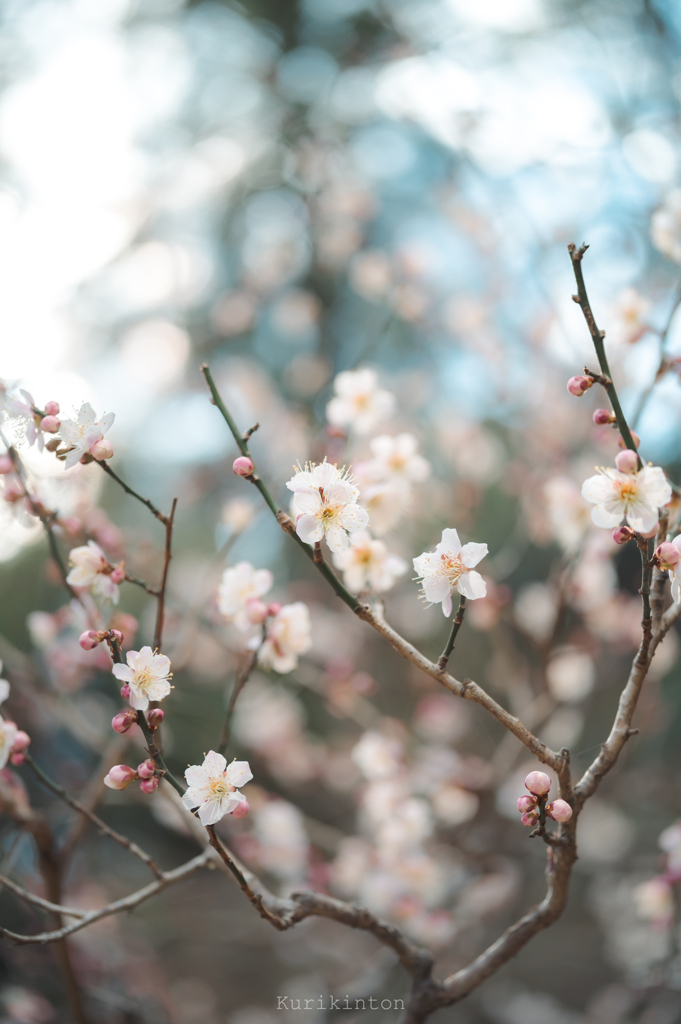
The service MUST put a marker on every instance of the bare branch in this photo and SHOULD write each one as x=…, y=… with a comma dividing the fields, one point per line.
x=38, y=901
x=158, y=633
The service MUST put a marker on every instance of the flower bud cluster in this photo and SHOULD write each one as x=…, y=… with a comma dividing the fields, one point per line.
x=91, y=638
x=120, y=776
x=534, y=808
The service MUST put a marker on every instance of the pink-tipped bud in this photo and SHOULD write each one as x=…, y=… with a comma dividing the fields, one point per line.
x=101, y=450
x=50, y=424
x=124, y=720
x=601, y=417
x=17, y=758
x=668, y=554
x=22, y=741
x=538, y=783
x=155, y=717
x=146, y=770
x=243, y=466
x=559, y=810
x=622, y=534
x=125, y=691
x=6, y=464
x=257, y=610
x=529, y=819
x=149, y=786
x=116, y=635
x=526, y=803
x=242, y=809
x=52, y=409
x=578, y=385
x=120, y=777
x=274, y=608
x=635, y=438
x=89, y=639
x=118, y=574
x=627, y=461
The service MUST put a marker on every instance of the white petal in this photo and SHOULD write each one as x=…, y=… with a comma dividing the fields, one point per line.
x=471, y=554
x=138, y=701
x=211, y=812
x=450, y=543
x=354, y=517
x=306, y=501
x=337, y=538
x=436, y=588
x=642, y=518
x=447, y=606
x=309, y=529
x=214, y=763
x=123, y=672
x=472, y=585
x=239, y=773
x=196, y=776
x=655, y=486
x=602, y=517
x=106, y=421
x=4, y=690
x=597, y=489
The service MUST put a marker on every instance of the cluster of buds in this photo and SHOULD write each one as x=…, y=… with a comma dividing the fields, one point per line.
x=125, y=720
x=243, y=466
x=20, y=744
x=534, y=809
x=91, y=638
x=120, y=776
x=577, y=386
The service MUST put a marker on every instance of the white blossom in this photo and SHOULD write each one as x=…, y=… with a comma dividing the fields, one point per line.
x=636, y=497
x=359, y=402
x=627, y=325
x=213, y=787
x=26, y=409
x=378, y=756
x=449, y=568
x=148, y=676
x=567, y=514
x=8, y=732
x=386, y=502
x=396, y=457
x=287, y=636
x=367, y=564
x=91, y=569
x=240, y=585
x=665, y=226
x=81, y=434
x=325, y=505
x=4, y=688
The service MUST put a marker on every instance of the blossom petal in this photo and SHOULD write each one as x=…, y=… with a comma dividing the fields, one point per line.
x=123, y=672
x=196, y=776
x=239, y=773
x=450, y=543
x=642, y=517
x=603, y=517
x=309, y=529
x=138, y=701
x=354, y=517
x=447, y=606
x=436, y=588
x=471, y=554
x=306, y=501
x=214, y=763
x=337, y=538
x=597, y=489
x=106, y=421
x=471, y=585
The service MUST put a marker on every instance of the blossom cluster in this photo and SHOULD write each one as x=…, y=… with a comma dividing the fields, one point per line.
x=534, y=808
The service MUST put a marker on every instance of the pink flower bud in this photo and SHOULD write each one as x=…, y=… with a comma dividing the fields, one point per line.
x=242, y=810
x=116, y=635
x=101, y=450
x=601, y=417
x=155, y=717
x=52, y=409
x=149, y=786
x=559, y=810
x=17, y=758
x=578, y=385
x=21, y=742
x=124, y=720
x=120, y=777
x=146, y=770
x=538, y=783
x=118, y=574
x=274, y=608
x=50, y=424
x=635, y=438
x=668, y=554
x=6, y=464
x=529, y=819
x=526, y=803
x=627, y=461
x=125, y=691
x=243, y=466
x=622, y=534
x=89, y=639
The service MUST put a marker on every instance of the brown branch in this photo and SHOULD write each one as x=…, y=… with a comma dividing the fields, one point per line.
x=158, y=633
x=38, y=901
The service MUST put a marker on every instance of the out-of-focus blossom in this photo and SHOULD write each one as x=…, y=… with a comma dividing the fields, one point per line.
x=288, y=636
x=567, y=513
x=378, y=756
x=91, y=569
x=241, y=584
x=454, y=805
x=387, y=502
x=213, y=787
x=670, y=841
x=665, y=226
x=359, y=403
x=626, y=324
x=325, y=505
x=449, y=568
x=4, y=688
x=8, y=734
x=148, y=676
x=367, y=564
x=282, y=844
x=81, y=434
x=36, y=423
x=570, y=675
x=635, y=496
x=395, y=457
x=654, y=901
x=238, y=514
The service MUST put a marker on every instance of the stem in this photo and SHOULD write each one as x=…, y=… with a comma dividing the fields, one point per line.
x=646, y=574
x=458, y=620
x=155, y=754
x=158, y=633
x=140, y=583
x=128, y=490
x=254, y=897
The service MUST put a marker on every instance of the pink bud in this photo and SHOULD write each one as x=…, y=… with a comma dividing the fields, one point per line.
x=146, y=770
x=526, y=803
x=529, y=819
x=101, y=450
x=635, y=438
x=17, y=758
x=602, y=416
x=89, y=639
x=52, y=408
x=243, y=466
x=118, y=574
x=668, y=554
x=120, y=777
x=578, y=385
x=274, y=608
x=242, y=809
x=50, y=424
x=124, y=720
x=622, y=534
x=116, y=635
x=21, y=741
x=538, y=783
x=6, y=464
x=149, y=786
x=559, y=810
x=627, y=461
x=257, y=610
x=155, y=717
x=125, y=691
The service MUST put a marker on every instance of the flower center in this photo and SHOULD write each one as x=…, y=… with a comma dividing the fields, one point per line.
x=452, y=567
x=144, y=679
x=628, y=491
x=219, y=787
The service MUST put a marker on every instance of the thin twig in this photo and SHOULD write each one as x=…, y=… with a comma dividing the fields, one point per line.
x=158, y=633
x=140, y=583
x=128, y=490
x=449, y=647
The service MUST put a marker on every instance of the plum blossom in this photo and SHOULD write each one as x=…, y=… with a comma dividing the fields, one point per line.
x=148, y=676
x=325, y=505
x=636, y=497
x=627, y=325
x=4, y=688
x=37, y=424
x=8, y=734
x=386, y=502
x=367, y=564
x=213, y=787
x=91, y=569
x=240, y=591
x=287, y=636
x=359, y=402
x=396, y=457
x=449, y=568
x=84, y=433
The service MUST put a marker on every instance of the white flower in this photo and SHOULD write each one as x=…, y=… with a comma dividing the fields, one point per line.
x=213, y=787
x=449, y=568
x=636, y=497
x=397, y=457
x=378, y=756
x=367, y=563
x=386, y=503
x=8, y=732
x=81, y=434
x=627, y=325
x=147, y=674
x=325, y=504
x=665, y=226
x=240, y=584
x=4, y=688
x=288, y=635
x=91, y=569
x=17, y=408
x=359, y=402
x=566, y=512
